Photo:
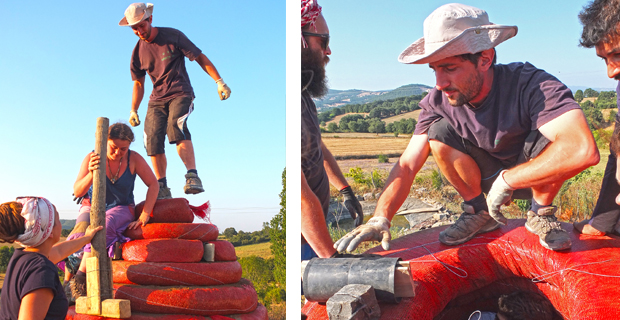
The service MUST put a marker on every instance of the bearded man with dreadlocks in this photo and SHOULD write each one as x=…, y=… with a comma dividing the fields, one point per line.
x=318, y=166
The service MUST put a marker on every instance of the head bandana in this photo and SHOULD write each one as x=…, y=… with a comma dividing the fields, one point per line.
x=39, y=215
x=310, y=10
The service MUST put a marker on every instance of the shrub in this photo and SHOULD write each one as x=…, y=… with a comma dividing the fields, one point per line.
x=383, y=158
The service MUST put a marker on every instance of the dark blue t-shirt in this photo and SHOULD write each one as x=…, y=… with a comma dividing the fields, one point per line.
x=26, y=272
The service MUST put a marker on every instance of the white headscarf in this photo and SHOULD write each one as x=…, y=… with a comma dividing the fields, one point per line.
x=39, y=215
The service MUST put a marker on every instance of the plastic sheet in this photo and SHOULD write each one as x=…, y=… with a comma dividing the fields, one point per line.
x=191, y=231
x=163, y=250
x=174, y=274
x=581, y=283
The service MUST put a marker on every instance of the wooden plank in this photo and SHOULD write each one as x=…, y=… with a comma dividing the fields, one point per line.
x=404, y=286
x=97, y=214
x=116, y=308
x=418, y=210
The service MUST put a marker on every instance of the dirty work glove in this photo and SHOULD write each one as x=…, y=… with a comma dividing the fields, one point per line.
x=353, y=205
x=351, y=255
x=134, y=120
x=222, y=89
x=500, y=194
x=377, y=228
x=78, y=200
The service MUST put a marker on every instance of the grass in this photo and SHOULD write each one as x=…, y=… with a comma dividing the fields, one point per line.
x=1, y=279
x=262, y=250
x=365, y=144
x=411, y=114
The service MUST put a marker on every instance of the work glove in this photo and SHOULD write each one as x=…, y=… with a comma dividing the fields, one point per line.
x=222, y=89
x=351, y=255
x=353, y=205
x=500, y=194
x=377, y=228
x=78, y=200
x=134, y=120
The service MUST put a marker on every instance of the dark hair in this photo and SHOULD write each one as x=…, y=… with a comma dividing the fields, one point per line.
x=12, y=224
x=474, y=57
x=121, y=131
x=524, y=305
x=615, y=139
x=600, y=21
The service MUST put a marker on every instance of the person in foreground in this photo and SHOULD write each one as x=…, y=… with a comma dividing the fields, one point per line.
x=511, y=131
x=601, y=30
x=32, y=289
x=161, y=53
x=318, y=166
x=122, y=167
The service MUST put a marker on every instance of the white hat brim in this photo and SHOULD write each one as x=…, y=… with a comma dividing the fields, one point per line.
x=471, y=40
x=146, y=15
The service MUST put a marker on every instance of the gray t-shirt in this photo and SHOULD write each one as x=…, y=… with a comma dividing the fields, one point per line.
x=522, y=99
x=164, y=60
x=311, y=153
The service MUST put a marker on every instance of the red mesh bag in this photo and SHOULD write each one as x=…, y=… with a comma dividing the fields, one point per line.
x=163, y=250
x=581, y=283
x=176, y=274
x=224, y=250
x=259, y=314
x=191, y=231
x=206, y=300
x=175, y=210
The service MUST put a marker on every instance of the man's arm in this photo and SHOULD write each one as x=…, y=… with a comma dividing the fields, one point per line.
x=572, y=150
x=222, y=89
x=313, y=225
x=208, y=67
x=335, y=176
x=394, y=194
x=138, y=94
x=401, y=177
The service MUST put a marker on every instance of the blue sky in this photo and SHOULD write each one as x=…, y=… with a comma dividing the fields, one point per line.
x=368, y=36
x=66, y=63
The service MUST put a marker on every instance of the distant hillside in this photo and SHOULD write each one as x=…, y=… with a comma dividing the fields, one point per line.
x=67, y=224
x=337, y=98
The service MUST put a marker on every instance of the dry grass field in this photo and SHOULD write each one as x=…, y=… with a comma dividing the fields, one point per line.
x=336, y=119
x=262, y=250
x=1, y=279
x=412, y=114
x=365, y=144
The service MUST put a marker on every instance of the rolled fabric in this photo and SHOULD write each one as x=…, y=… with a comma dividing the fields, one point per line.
x=39, y=218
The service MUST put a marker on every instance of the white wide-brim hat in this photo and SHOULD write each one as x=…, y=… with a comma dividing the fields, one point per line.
x=454, y=29
x=136, y=13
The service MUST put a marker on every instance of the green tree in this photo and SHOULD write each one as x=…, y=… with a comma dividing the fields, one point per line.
x=578, y=95
x=5, y=255
x=332, y=127
x=229, y=233
x=277, y=232
x=590, y=93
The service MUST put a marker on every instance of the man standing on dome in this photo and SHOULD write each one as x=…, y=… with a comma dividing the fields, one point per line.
x=161, y=53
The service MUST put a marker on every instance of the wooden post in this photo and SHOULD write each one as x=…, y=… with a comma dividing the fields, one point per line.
x=99, y=267
x=97, y=211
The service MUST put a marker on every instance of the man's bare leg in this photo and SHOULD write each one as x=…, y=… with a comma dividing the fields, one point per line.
x=460, y=169
x=193, y=185
x=160, y=163
x=185, y=148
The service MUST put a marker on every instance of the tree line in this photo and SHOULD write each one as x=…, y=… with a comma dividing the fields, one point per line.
x=376, y=110
x=593, y=109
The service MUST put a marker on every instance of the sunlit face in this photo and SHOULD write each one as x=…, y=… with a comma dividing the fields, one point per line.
x=610, y=53
x=317, y=44
x=143, y=29
x=460, y=80
x=117, y=148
